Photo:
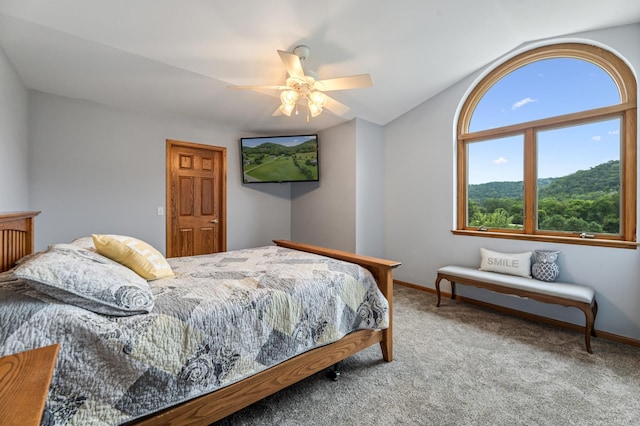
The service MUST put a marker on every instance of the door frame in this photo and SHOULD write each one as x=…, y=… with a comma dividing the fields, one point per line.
x=223, y=192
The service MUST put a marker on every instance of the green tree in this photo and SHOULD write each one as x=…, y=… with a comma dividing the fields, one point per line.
x=554, y=223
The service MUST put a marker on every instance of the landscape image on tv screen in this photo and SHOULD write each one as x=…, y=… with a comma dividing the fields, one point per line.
x=279, y=159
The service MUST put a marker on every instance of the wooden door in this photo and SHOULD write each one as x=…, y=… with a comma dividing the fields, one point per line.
x=196, y=199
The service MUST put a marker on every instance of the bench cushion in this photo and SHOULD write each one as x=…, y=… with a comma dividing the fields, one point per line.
x=576, y=292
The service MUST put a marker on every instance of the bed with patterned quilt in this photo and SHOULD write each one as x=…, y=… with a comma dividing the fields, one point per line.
x=207, y=336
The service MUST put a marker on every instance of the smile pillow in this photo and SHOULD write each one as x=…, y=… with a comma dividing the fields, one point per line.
x=506, y=263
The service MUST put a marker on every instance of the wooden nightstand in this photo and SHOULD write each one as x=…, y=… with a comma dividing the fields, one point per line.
x=24, y=383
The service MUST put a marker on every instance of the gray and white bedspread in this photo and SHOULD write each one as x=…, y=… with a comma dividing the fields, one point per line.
x=222, y=318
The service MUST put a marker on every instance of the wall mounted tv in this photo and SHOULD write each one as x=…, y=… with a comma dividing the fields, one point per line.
x=279, y=159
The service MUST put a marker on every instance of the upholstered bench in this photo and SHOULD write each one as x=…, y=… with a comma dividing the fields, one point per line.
x=581, y=297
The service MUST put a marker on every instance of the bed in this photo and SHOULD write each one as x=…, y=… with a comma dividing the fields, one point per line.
x=219, y=380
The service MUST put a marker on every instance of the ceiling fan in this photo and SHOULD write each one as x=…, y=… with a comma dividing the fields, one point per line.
x=302, y=86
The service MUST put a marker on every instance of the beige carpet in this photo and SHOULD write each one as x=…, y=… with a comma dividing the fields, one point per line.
x=464, y=365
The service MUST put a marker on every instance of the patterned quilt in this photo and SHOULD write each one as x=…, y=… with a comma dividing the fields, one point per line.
x=221, y=318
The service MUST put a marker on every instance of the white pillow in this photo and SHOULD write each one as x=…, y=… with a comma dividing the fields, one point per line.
x=85, y=243
x=506, y=263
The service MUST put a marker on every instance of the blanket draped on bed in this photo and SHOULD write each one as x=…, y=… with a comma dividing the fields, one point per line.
x=221, y=318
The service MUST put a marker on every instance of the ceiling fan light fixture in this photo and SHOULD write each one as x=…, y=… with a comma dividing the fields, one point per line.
x=289, y=97
x=314, y=108
x=318, y=98
x=286, y=109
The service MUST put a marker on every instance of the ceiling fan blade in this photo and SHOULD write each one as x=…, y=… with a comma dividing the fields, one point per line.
x=335, y=106
x=343, y=83
x=292, y=64
x=260, y=87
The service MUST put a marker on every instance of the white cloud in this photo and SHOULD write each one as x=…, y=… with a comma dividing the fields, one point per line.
x=500, y=160
x=522, y=102
x=596, y=138
x=614, y=132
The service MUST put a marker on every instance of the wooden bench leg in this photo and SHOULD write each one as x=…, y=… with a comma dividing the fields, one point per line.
x=438, y=290
x=453, y=289
x=590, y=312
x=595, y=313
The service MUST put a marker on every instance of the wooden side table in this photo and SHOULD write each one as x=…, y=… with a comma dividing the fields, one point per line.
x=24, y=383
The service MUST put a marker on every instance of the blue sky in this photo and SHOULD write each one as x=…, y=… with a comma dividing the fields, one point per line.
x=538, y=90
x=282, y=140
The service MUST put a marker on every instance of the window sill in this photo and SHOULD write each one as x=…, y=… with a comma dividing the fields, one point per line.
x=549, y=238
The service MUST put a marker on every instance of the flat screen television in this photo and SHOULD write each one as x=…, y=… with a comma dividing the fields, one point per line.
x=279, y=159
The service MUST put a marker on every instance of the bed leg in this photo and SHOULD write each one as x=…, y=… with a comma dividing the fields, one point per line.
x=334, y=374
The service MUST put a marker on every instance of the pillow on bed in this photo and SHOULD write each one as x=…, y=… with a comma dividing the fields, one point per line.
x=85, y=243
x=86, y=279
x=506, y=263
x=135, y=254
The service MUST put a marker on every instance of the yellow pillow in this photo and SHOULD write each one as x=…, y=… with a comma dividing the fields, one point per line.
x=137, y=255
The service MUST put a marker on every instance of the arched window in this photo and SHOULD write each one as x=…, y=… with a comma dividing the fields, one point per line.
x=546, y=149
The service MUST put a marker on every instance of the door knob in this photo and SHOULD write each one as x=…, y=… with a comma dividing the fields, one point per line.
x=214, y=221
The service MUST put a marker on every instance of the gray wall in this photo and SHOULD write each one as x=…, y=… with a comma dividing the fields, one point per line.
x=14, y=185
x=420, y=210
x=324, y=213
x=369, y=189
x=97, y=169
x=344, y=210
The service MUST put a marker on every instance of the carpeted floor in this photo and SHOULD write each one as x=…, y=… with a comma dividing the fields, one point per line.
x=464, y=365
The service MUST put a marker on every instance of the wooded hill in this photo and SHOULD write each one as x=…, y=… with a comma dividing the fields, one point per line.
x=269, y=148
x=584, y=201
x=583, y=184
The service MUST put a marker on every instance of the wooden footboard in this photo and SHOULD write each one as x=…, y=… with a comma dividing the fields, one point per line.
x=16, y=237
x=382, y=271
x=221, y=403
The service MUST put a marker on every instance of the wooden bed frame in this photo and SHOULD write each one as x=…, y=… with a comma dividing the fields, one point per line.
x=16, y=237
x=17, y=241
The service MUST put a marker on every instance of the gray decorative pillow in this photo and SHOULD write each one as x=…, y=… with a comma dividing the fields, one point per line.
x=86, y=279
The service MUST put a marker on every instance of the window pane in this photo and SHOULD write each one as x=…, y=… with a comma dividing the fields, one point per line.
x=543, y=89
x=495, y=188
x=579, y=178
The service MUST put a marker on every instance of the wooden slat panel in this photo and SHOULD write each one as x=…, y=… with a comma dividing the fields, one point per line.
x=16, y=237
x=4, y=255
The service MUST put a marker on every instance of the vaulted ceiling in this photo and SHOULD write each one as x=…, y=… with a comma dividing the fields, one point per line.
x=177, y=57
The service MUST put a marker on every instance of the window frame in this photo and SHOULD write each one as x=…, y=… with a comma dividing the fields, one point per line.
x=626, y=110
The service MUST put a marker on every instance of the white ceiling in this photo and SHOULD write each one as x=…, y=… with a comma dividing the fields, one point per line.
x=177, y=57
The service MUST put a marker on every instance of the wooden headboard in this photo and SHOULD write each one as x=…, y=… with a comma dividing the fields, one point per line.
x=16, y=237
